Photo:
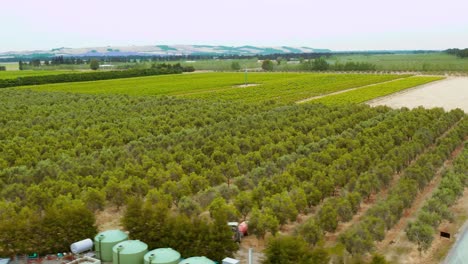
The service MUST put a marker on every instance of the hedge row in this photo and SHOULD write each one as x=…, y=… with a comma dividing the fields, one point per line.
x=92, y=76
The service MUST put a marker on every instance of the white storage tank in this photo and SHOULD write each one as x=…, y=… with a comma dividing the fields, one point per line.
x=81, y=246
x=231, y=261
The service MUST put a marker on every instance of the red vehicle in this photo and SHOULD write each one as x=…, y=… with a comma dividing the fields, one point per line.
x=239, y=230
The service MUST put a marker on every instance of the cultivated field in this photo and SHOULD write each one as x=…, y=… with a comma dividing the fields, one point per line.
x=190, y=152
x=281, y=87
x=450, y=94
x=437, y=62
x=16, y=74
x=10, y=66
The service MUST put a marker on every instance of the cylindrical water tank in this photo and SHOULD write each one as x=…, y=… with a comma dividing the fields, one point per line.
x=162, y=256
x=105, y=241
x=129, y=252
x=81, y=246
x=197, y=260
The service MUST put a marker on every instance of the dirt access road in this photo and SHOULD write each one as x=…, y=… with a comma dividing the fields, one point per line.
x=449, y=93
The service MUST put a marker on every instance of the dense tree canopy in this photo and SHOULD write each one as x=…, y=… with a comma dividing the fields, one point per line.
x=173, y=160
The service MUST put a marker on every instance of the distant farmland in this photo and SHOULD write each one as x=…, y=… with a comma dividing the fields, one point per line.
x=282, y=87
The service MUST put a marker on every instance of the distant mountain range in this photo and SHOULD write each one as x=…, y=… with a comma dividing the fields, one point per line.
x=162, y=50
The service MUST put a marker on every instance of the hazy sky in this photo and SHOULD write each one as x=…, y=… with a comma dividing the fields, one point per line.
x=333, y=24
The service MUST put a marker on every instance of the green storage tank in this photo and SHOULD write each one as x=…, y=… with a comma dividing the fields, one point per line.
x=162, y=256
x=105, y=241
x=197, y=260
x=129, y=252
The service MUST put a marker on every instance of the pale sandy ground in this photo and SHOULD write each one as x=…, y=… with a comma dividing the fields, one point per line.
x=450, y=93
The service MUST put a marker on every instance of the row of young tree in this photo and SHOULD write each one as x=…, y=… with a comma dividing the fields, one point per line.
x=265, y=162
x=385, y=213
x=345, y=205
x=295, y=250
x=148, y=164
x=157, y=69
x=321, y=64
x=59, y=60
x=462, y=53
x=25, y=64
x=105, y=149
x=436, y=209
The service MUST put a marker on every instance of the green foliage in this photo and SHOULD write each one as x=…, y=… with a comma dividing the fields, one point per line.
x=357, y=241
x=94, y=64
x=157, y=196
x=282, y=87
x=310, y=231
x=261, y=222
x=94, y=199
x=354, y=66
x=11, y=74
x=219, y=207
x=267, y=65
x=386, y=213
x=328, y=217
x=420, y=233
x=63, y=222
x=282, y=206
x=189, y=207
x=176, y=189
x=244, y=203
x=299, y=198
x=320, y=64
x=293, y=250
x=435, y=209
x=378, y=259
x=37, y=79
x=116, y=192
x=433, y=62
x=221, y=243
x=154, y=224
x=462, y=53
x=172, y=68
x=217, y=155
x=235, y=66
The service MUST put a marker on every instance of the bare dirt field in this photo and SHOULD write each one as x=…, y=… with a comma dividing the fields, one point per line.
x=449, y=93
